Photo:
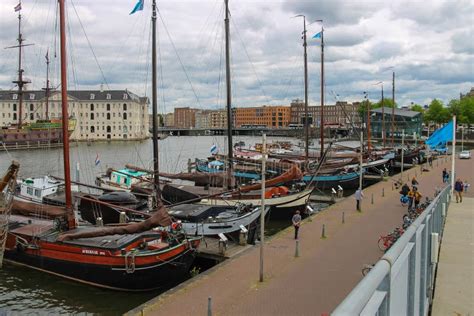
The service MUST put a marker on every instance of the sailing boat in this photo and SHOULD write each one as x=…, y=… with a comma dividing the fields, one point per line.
x=35, y=134
x=281, y=196
x=134, y=257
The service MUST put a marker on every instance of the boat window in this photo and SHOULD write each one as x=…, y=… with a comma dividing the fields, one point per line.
x=38, y=192
x=29, y=191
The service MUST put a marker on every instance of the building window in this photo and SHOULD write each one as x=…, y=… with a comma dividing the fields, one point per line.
x=32, y=116
x=14, y=107
x=125, y=96
x=15, y=96
x=32, y=96
x=92, y=96
x=108, y=107
x=92, y=129
x=32, y=107
x=124, y=116
x=125, y=106
x=92, y=116
x=108, y=96
x=109, y=129
x=108, y=116
x=92, y=107
x=14, y=116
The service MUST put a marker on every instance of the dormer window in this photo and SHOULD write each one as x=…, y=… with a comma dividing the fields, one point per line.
x=32, y=96
x=92, y=96
x=109, y=96
x=125, y=96
x=15, y=96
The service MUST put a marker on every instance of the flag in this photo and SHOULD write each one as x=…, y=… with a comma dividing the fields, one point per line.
x=214, y=150
x=138, y=6
x=441, y=136
x=97, y=160
x=18, y=7
x=318, y=35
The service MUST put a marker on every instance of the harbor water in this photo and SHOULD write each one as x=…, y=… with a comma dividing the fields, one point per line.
x=26, y=291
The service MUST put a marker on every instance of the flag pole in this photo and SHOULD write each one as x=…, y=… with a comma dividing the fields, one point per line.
x=262, y=204
x=454, y=155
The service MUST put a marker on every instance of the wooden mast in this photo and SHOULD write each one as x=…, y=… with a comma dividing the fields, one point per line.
x=383, y=119
x=156, y=170
x=230, y=153
x=47, y=89
x=322, y=93
x=65, y=121
x=306, y=114
x=393, y=108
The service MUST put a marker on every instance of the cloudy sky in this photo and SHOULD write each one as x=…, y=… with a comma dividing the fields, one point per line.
x=429, y=44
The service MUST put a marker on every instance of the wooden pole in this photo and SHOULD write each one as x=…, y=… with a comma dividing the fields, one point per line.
x=262, y=204
x=403, y=154
x=229, y=98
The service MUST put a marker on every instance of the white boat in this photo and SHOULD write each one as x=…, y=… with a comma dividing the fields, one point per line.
x=41, y=190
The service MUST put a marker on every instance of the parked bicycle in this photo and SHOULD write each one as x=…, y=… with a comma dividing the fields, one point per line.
x=366, y=268
x=385, y=242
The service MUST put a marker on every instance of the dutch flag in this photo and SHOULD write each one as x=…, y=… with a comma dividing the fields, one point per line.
x=18, y=7
x=97, y=160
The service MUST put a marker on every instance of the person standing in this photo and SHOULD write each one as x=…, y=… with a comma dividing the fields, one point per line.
x=411, y=197
x=416, y=197
x=359, y=195
x=458, y=188
x=445, y=175
x=296, y=220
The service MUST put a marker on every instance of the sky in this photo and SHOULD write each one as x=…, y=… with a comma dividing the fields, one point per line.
x=428, y=44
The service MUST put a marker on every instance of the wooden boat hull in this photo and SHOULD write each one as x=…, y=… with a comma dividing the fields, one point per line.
x=326, y=182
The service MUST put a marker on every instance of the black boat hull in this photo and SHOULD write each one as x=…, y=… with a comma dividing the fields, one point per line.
x=143, y=278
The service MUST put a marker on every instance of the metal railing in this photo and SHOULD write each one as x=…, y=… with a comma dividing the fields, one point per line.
x=401, y=282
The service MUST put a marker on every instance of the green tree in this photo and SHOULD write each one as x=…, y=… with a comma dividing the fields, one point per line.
x=388, y=103
x=437, y=113
x=467, y=110
x=417, y=108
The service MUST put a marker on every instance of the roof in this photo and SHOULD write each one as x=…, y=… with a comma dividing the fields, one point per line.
x=129, y=172
x=98, y=95
x=399, y=112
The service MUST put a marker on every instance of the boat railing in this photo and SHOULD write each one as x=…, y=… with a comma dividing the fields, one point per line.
x=401, y=282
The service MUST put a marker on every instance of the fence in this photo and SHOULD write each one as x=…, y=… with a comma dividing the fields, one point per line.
x=401, y=282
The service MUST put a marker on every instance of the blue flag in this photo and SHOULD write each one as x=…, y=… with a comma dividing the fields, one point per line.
x=97, y=160
x=318, y=35
x=138, y=6
x=214, y=150
x=441, y=136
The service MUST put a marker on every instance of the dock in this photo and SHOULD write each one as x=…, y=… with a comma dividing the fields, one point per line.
x=333, y=247
x=212, y=248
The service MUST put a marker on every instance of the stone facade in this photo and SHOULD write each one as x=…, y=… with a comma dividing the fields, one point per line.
x=100, y=115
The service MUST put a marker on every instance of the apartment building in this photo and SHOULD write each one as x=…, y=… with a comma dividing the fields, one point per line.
x=342, y=113
x=270, y=116
x=185, y=117
x=100, y=114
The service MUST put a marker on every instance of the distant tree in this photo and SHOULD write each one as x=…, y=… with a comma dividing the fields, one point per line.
x=417, y=108
x=437, y=113
x=363, y=108
x=388, y=103
x=467, y=110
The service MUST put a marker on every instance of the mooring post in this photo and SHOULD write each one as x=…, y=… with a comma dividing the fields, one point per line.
x=323, y=232
x=209, y=306
x=383, y=192
x=392, y=186
x=343, y=218
x=372, y=199
x=297, y=248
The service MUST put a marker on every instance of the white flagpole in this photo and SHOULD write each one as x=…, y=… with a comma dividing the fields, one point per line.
x=454, y=155
x=262, y=205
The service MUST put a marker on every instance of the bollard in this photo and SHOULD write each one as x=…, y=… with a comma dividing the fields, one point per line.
x=416, y=173
x=392, y=186
x=209, y=306
x=323, y=232
x=443, y=210
x=372, y=199
x=343, y=218
x=383, y=192
x=297, y=249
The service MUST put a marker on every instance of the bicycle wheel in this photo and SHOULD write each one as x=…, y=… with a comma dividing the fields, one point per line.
x=366, y=270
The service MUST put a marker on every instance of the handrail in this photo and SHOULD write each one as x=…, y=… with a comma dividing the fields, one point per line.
x=359, y=298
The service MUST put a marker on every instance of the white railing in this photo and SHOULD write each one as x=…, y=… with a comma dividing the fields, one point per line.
x=401, y=282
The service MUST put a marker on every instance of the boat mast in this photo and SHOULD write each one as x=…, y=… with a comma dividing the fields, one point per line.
x=367, y=104
x=306, y=114
x=383, y=119
x=65, y=121
x=393, y=108
x=20, y=82
x=156, y=171
x=47, y=89
x=229, y=97
x=322, y=92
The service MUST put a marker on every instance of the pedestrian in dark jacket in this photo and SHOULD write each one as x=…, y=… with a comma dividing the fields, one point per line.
x=296, y=220
x=445, y=176
x=405, y=189
x=458, y=188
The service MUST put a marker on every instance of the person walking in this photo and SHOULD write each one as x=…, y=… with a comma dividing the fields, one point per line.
x=296, y=220
x=359, y=195
x=466, y=185
x=445, y=175
x=411, y=196
x=430, y=160
x=414, y=182
x=458, y=188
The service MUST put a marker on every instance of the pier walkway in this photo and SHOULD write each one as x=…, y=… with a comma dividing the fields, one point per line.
x=324, y=273
x=455, y=278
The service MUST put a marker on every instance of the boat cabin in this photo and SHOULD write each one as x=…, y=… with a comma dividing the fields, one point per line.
x=37, y=188
x=126, y=177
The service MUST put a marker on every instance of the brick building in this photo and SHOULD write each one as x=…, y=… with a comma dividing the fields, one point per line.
x=270, y=116
x=341, y=113
x=185, y=117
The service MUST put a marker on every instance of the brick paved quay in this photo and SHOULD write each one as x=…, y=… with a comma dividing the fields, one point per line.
x=318, y=280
